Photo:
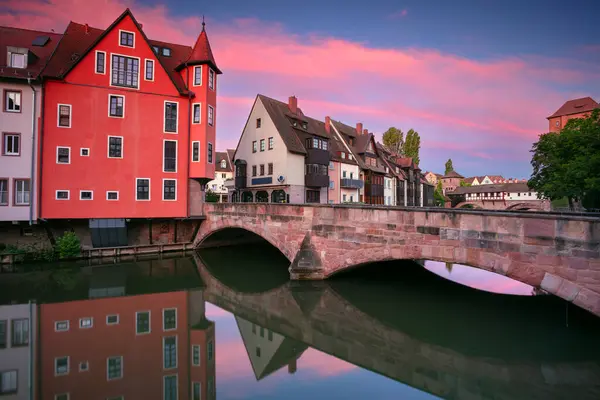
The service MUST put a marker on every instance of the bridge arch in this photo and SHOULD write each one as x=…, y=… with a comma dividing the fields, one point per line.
x=469, y=204
x=525, y=206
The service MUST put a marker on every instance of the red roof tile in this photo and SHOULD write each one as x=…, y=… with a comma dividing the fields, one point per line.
x=202, y=53
x=576, y=106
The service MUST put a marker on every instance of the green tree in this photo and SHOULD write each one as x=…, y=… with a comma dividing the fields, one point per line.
x=449, y=166
x=68, y=245
x=463, y=183
x=567, y=164
x=393, y=139
x=438, y=195
x=211, y=197
x=412, y=145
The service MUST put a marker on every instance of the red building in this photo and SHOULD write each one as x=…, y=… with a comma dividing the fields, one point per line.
x=577, y=108
x=128, y=124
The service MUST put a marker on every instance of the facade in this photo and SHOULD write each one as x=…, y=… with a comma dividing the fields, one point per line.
x=23, y=54
x=18, y=335
x=432, y=178
x=223, y=173
x=129, y=125
x=497, y=196
x=346, y=185
x=577, y=108
x=484, y=180
x=451, y=181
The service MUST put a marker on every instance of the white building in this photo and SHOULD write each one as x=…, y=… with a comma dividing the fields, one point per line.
x=223, y=172
x=24, y=54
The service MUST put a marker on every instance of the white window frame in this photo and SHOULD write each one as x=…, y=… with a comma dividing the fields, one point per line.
x=200, y=391
x=96, y=63
x=192, y=155
x=113, y=323
x=149, y=320
x=112, y=191
x=146, y=66
x=169, y=309
x=194, y=76
x=194, y=113
x=176, y=156
x=164, y=339
x=199, y=355
x=126, y=31
x=57, y=396
x=149, y=193
x=59, y=322
x=209, y=146
x=208, y=116
x=63, y=147
x=86, y=327
x=68, y=365
x=176, y=384
x=122, y=368
x=82, y=199
x=86, y=363
x=108, y=147
x=108, y=111
x=163, y=198
x=62, y=190
x=58, y=115
x=137, y=86
x=165, y=117
x=81, y=152
x=214, y=79
x=5, y=106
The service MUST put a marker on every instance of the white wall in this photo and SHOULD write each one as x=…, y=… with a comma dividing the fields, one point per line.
x=217, y=184
x=252, y=340
x=352, y=172
x=19, y=166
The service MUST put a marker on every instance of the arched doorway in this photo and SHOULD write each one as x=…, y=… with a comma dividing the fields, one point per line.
x=278, y=196
x=235, y=197
x=247, y=197
x=262, y=197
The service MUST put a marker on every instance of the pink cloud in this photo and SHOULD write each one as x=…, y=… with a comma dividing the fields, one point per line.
x=399, y=14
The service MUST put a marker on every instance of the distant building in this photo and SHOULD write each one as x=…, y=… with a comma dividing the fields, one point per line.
x=223, y=172
x=577, y=108
x=484, y=180
x=505, y=196
x=432, y=177
x=451, y=181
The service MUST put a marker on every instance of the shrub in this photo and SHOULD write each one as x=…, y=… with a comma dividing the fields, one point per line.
x=68, y=245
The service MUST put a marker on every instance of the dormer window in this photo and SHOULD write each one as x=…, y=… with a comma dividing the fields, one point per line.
x=294, y=123
x=343, y=155
x=166, y=52
x=349, y=156
x=316, y=143
x=17, y=57
x=304, y=125
x=223, y=164
x=156, y=49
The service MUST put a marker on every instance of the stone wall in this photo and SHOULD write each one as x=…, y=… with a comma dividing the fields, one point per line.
x=557, y=253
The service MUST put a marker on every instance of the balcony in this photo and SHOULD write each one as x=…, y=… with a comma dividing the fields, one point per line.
x=240, y=182
x=349, y=183
x=316, y=180
x=317, y=156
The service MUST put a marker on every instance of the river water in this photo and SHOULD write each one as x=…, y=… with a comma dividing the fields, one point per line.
x=228, y=324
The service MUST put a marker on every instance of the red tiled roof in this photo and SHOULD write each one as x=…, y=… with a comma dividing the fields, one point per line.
x=202, y=53
x=576, y=106
x=453, y=174
x=220, y=156
x=17, y=37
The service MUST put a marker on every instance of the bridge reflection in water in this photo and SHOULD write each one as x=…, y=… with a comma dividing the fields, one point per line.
x=413, y=327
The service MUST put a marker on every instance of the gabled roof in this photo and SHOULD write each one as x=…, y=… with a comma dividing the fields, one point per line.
x=231, y=155
x=220, y=156
x=576, y=106
x=201, y=52
x=453, y=174
x=78, y=40
x=280, y=115
x=24, y=38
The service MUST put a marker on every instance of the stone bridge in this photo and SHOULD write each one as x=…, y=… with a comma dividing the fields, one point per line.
x=560, y=254
x=507, y=205
x=315, y=314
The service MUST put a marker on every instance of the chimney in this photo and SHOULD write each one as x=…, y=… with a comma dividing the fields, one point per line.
x=86, y=27
x=365, y=131
x=328, y=124
x=359, y=128
x=293, y=104
x=292, y=367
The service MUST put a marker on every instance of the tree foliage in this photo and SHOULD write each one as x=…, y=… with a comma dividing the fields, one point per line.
x=393, y=139
x=211, y=197
x=68, y=245
x=438, y=195
x=449, y=166
x=463, y=183
x=567, y=163
x=412, y=145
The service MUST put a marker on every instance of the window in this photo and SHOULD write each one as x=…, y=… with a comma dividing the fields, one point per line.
x=17, y=57
x=262, y=169
x=313, y=196
x=85, y=323
x=12, y=101
x=64, y=115
x=254, y=146
x=211, y=386
x=271, y=143
x=258, y=122
x=170, y=156
x=142, y=322
x=112, y=195
x=211, y=115
x=344, y=198
x=211, y=79
x=166, y=52
x=3, y=192
x=11, y=144
x=223, y=165
x=61, y=326
x=210, y=153
x=86, y=195
x=257, y=351
x=156, y=49
x=3, y=330
x=62, y=195
x=171, y=116
x=169, y=189
x=84, y=366
x=149, y=75
x=20, y=332
x=270, y=169
x=114, y=367
x=8, y=382
x=223, y=176
x=21, y=192
x=116, y=106
x=100, y=62
x=197, y=116
x=262, y=331
x=170, y=352
x=196, y=355
x=63, y=155
x=196, y=391
x=84, y=152
x=343, y=154
x=61, y=366
x=195, y=151
x=270, y=335
x=126, y=39
x=142, y=189
x=254, y=170
x=170, y=387
x=262, y=144
x=115, y=147
x=331, y=185
x=210, y=351
x=125, y=71
x=112, y=319
x=198, y=75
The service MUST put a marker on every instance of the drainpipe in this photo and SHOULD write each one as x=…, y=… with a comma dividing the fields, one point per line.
x=189, y=124
x=32, y=179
